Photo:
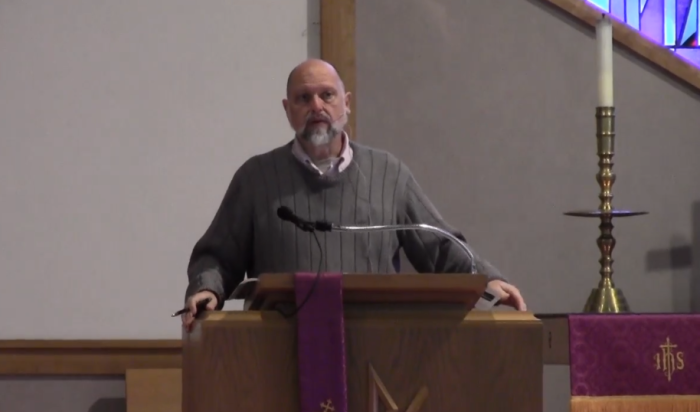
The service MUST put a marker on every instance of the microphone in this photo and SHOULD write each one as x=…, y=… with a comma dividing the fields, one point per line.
x=487, y=301
x=286, y=214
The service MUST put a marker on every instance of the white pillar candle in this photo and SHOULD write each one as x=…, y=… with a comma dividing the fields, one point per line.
x=604, y=37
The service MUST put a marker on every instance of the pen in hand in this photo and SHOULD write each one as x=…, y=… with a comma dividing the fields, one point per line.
x=201, y=307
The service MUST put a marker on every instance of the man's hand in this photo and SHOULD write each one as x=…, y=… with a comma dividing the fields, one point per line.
x=191, y=304
x=508, y=294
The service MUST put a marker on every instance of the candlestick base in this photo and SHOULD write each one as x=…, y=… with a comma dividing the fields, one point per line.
x=606, y=299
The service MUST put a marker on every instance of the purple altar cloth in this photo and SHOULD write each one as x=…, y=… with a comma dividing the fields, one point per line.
x=634, y=355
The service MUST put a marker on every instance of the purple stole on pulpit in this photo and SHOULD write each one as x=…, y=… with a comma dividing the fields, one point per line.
x=321, y=342
x=634, y=363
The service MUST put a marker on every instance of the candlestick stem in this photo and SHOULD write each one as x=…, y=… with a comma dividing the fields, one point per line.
x=606, y=297
x=605, y=135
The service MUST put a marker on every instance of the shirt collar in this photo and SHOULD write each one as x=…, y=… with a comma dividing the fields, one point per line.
x=341, y=163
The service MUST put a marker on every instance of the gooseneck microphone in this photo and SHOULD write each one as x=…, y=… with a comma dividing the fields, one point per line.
x=286, y=214
x=486, y=302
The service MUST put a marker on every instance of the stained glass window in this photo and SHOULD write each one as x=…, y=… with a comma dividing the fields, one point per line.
x=671, y=23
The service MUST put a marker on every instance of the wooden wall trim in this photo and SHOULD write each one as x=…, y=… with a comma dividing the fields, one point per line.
x=115, y=357
x=338, y=47
x=87, y=357
x=634, y=41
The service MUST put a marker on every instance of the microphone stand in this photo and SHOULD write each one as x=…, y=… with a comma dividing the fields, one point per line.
x=487, y=301
x=416, y=227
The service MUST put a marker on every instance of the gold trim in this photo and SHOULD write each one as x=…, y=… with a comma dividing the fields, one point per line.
x=633, y=398
x=646, y=403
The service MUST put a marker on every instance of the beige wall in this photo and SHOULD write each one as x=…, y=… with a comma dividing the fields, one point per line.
x=145, y=108
x=121, y=123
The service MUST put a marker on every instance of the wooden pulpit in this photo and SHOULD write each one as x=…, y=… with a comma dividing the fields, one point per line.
x=412, y=344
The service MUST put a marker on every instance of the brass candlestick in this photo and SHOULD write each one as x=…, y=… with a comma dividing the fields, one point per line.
x=606, y=298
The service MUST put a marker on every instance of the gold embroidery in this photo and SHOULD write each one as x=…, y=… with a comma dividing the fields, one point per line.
x=669, y=360
x=328, y=406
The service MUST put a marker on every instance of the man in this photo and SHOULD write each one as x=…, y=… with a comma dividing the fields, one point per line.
x=321, y=175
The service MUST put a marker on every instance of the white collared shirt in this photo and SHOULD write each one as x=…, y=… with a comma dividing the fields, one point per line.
x=337, y=165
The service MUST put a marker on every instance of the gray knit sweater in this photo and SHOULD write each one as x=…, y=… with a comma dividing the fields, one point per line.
x=247, y=237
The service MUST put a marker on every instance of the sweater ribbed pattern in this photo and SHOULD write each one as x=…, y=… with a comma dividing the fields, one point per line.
x=246, y=237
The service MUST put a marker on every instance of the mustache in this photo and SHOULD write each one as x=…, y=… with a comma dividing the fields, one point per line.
x=318, y=118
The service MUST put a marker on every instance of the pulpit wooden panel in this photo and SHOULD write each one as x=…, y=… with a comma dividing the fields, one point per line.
x=555, y=339
x=441, y=359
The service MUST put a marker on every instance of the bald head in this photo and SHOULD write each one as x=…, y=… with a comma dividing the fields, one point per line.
x=313, y=68
x=317, y=105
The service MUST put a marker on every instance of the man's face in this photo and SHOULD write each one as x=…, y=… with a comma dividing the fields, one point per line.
x=317, y=105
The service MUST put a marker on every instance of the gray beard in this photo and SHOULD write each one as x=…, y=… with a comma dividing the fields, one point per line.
x=319, y=137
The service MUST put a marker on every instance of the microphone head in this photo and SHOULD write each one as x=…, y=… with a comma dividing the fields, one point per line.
x=285, y=213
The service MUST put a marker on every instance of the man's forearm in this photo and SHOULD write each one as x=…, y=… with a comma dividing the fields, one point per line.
x=484, y=267
x=219, y=260
x=206, y=274
x=453, y=259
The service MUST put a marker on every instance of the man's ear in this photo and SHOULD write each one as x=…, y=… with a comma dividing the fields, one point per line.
x=285, y=104
x=347, y=100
